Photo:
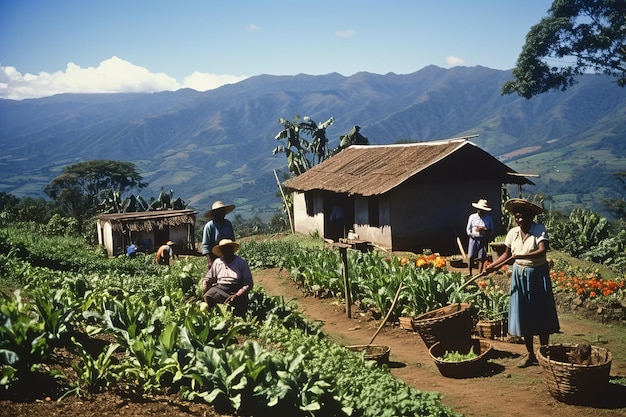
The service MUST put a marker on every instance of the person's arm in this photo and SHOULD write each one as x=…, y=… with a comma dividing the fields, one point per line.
x=208, y=280
x=468, y=228
x=498, y=263
x=246, y=276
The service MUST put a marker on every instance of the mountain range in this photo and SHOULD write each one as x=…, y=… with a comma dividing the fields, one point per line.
x=217, y=145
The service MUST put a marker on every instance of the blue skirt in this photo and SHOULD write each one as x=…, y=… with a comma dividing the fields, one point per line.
x=532, y=310
x=478, y=247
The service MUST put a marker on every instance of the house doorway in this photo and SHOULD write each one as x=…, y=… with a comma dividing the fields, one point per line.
x=338, y=216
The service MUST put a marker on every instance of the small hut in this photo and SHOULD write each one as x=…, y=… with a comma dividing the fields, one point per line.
x=403, y=197
x=147, y=229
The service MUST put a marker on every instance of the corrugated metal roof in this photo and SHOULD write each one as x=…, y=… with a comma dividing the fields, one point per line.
x=375, y=169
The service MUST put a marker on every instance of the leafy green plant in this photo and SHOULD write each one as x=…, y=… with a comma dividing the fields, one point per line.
x=23, y=341
x=454, y=356
x=94, y=375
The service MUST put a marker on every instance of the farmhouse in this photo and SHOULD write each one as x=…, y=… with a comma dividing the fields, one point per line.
x=404, y=197
x=149, y=229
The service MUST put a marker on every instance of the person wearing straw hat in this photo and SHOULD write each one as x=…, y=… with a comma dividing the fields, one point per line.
x=165, y=253
x=479, y=229
x=217, y=228
x=532, y=309
x=229, y=279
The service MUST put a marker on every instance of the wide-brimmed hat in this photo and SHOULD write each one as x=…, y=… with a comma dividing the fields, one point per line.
x=217, y=249
x=170, y=242
x=515, y=204
x=482, y=205
x=218, y=205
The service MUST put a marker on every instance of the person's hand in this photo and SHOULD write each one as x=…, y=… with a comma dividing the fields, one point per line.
x=231, y=298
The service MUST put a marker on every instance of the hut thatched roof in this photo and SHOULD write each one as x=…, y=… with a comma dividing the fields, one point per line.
x=148, y=220
x=369, y=170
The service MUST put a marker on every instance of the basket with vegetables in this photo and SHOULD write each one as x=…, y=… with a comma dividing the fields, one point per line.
x=461, y=358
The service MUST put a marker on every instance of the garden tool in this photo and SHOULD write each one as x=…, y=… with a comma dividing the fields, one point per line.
x=482, y=274
x=393, y=304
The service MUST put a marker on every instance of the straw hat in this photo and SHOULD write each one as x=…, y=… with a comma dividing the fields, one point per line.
x=170, y=242
x=218, y=205
x=515, y=204
x=482, y=205
x=217, y=249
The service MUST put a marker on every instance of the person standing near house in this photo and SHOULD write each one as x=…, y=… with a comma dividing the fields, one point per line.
x=532, y=309
x=218, y=228
x=165, y=253
x=480, y=231
x=229, y=279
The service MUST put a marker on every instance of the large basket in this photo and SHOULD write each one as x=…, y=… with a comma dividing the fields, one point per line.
x=463, y=369
x=574, y=383
x=377, y=353
x=446, y=323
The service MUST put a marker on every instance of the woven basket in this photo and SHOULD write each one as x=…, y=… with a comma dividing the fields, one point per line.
x=378, y=353
x=463, y=369
x=573, y=383
x=490, y=329
x=446, y=323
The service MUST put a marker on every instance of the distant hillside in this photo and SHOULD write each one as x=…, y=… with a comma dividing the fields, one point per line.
x=218, y=144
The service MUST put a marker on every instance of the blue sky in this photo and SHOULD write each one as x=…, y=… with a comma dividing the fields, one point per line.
x=49, y=47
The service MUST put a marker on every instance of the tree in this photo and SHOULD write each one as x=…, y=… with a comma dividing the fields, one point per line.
x=303, y=153
x=617, y=206
x=590, y=33
x=80, y=185
x=307, y=145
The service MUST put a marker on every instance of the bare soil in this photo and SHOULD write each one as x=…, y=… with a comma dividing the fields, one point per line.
x=504, y=390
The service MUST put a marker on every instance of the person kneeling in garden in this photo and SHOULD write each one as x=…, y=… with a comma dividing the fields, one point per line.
x=229, y=279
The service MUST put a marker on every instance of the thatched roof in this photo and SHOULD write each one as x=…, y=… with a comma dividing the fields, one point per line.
x=148, y=220
x=376, y=169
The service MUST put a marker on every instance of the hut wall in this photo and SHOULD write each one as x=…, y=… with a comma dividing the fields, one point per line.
x=307, y=221
x=377, y=231
x=428, y=216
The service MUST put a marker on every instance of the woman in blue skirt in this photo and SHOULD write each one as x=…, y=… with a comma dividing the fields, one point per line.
x=532, y=310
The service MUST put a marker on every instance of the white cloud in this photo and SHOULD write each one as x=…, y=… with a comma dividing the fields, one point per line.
x=253, y=27
x=113, y=75
x=202, y=81
x=454, y=61
x=346, y=33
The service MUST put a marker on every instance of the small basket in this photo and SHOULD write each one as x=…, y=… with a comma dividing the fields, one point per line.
x=463, y=369
x=378, y=353
x=573, y=383
x=491, y=329
x=446, y=323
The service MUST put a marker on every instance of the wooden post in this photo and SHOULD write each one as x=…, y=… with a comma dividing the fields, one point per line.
x=285, y=202
x=343, y=249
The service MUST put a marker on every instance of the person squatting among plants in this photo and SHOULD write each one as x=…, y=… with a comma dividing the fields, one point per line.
x=216, y=229
x=532, y=309
x=229, y=279
x=480, y=231
x=165, y=253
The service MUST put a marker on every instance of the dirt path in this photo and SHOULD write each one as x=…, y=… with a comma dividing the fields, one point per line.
x=507, y=391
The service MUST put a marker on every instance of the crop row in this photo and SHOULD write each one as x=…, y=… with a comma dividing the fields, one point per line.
x=145, y=333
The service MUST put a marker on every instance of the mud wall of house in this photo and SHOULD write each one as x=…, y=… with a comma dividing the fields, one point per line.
x=431, y=216
x=105, y=237
x=377, y=231
x=311, y=219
